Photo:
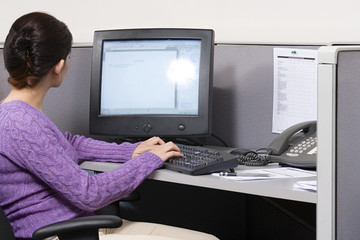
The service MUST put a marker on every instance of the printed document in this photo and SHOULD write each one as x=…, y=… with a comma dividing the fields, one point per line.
x=295, y=87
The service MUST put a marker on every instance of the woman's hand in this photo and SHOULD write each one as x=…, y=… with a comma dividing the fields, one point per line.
x=157, y=146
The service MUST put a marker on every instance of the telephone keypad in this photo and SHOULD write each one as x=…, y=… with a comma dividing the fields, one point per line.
x=304, y=145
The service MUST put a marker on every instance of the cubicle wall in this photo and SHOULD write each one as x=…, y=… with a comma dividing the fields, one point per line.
x=338, y=211
x=243, y=84
x=348, y=142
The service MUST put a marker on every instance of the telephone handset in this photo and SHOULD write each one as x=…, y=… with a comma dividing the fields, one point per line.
x=296, y=146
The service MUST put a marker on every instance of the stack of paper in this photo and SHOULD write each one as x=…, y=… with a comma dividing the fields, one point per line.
x=267, y=173
x=306, y=185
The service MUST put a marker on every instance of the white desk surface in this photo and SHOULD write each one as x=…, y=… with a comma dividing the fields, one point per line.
x=276, y=188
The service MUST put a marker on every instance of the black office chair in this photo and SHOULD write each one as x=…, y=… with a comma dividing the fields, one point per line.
x=85, y=228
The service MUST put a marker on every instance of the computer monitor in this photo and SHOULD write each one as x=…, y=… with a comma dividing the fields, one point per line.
x=152, y=82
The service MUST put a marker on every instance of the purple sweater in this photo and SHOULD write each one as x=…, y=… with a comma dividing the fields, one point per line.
x=40, y=178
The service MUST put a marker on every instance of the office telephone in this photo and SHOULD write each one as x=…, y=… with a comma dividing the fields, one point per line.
x=295, y=146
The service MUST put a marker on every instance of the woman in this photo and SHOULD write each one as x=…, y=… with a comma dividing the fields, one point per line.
x=40, y=180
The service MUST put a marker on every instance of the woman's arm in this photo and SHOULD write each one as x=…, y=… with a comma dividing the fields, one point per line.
x=43, y=151
x=91, y=149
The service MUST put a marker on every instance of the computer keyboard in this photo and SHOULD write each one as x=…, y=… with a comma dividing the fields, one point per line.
x=201, y=160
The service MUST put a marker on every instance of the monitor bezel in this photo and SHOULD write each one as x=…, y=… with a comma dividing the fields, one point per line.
x=154, y=125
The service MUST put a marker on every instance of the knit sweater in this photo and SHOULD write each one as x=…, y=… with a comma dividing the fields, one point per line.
x=40, y=178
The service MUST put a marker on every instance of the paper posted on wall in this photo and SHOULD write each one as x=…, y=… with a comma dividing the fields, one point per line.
x=295, y=87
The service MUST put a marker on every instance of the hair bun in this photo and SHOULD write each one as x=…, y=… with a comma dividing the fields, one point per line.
x=23, y=42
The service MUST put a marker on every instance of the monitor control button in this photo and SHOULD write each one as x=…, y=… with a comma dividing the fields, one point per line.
x=147, y=127
x=181, y=127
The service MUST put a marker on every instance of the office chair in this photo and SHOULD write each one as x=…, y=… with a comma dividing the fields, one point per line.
x=85, y=228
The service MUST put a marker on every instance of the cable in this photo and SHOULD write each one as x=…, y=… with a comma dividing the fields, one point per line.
x=290, y=214
x=219, y=139
x=254, y=158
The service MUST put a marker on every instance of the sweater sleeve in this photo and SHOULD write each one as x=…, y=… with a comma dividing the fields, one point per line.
x=91, y=149
x=40, y=148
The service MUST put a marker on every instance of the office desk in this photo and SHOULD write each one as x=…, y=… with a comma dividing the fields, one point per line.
x=275, y=188
x=233, y=210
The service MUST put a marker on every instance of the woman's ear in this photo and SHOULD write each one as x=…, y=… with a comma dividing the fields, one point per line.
x=58, y=67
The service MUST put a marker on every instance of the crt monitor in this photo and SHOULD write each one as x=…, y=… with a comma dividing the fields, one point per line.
x=152, y=82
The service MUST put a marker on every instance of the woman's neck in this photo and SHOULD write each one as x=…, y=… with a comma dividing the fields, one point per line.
x=32, y=96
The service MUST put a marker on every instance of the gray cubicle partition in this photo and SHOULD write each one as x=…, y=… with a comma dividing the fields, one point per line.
x=242, y=109
x=348, y=142
x=338, y=210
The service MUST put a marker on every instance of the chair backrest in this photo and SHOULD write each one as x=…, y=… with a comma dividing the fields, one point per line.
x=6, y=231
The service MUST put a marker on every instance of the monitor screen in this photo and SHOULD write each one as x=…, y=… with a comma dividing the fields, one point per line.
x=149, y=82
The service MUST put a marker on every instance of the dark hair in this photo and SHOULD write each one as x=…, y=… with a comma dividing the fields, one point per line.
x=35, y=44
